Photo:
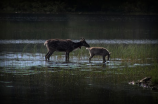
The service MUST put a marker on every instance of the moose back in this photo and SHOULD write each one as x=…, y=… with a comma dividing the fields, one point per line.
x=62, y=45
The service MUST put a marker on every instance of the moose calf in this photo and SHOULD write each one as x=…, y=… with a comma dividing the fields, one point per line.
x=98, y=51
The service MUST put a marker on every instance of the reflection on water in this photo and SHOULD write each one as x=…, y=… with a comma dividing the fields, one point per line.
x=25, y=77
x=73, y=26
x=115, y=41
x=76, y=17
x=69, y=89
x=24, y=61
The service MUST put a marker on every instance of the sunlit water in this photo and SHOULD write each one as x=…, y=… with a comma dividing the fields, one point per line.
x=12, y=61
x=100, y=41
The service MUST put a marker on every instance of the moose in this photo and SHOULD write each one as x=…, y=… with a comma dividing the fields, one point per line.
x=62, y=45
x=98, y=51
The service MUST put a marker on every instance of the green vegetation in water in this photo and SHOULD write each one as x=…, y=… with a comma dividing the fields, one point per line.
x=153, y=73
x=141, y=53
x=127, y=52
x=131, y=53
x=67, y=84
x=117, y=75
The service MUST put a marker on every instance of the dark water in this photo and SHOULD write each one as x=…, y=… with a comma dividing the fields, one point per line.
x=25, y=76
x=51, y=87
x=74, y=26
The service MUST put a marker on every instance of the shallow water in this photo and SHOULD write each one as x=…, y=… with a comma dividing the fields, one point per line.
x=25, y=76
x=15, y=60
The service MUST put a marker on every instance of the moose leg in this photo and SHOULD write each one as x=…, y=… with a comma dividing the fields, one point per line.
x=46, y=55
x=90, y=58
x=108, y=57
x=104, y=59
x=49, y=55
x=67, y=57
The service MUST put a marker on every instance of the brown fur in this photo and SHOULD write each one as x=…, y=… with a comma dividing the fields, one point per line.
x=98, y=51
x=63, y=46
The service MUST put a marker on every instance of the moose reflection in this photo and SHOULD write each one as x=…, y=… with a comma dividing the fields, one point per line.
x=62, y=45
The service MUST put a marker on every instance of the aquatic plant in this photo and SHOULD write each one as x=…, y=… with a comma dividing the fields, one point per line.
x=153, y=73
x=134, y=53
x=25, y=47
x=131, y=52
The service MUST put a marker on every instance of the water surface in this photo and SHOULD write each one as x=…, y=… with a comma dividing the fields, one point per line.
x=92, y=41
x=74, y=26
x=25, y=76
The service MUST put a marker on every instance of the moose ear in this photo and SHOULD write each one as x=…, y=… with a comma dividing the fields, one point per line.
x=82, y=39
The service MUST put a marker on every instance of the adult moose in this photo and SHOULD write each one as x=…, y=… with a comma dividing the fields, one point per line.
x=62, y=45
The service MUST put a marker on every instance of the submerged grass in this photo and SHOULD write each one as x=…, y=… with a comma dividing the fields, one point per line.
x=141, y=53
x=130, y=52
x=133, y=53
x=83, y=83
x=153, y=73
x=116, y=75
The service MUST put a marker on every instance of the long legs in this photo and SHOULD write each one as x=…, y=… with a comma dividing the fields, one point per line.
x=67, y=57
x=49, y=53
x=108, y=56
x=47, y=56
x=104, y=59
x=90, y=57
